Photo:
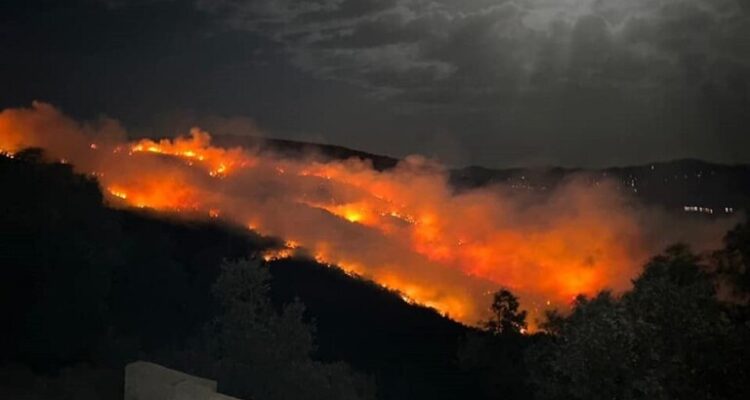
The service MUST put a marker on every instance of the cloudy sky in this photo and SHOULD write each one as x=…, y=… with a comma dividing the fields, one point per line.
x=490, y=82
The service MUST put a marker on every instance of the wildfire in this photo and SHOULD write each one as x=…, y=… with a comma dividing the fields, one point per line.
x=118, y=194
x=404, y=228
x=277, y=254
x=288, y=251
x=196, y=148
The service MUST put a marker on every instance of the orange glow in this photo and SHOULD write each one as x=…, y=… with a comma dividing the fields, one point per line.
x=351, y=212
x=278, y=254
x=404, y=228
x=118, y=194
x=196, y=148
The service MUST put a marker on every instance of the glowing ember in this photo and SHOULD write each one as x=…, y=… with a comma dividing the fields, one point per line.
x=279, y=254
x=197, y=147
x=118, y=194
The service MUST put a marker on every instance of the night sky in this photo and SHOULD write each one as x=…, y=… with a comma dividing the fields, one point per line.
x=484, y=82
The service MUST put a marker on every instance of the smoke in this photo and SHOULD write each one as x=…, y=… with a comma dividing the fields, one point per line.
x=404, y=228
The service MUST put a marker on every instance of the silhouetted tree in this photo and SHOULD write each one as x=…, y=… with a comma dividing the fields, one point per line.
x=265, y=354
x=668, y=338
x=32, y=155
x=495, y=355
x=506, y=317
x=733, y=262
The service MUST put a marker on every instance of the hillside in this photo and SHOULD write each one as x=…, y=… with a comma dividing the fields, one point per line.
x=83, y=284
x=85, y=289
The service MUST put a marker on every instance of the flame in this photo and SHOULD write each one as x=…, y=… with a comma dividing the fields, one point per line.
x=118, y=194
x=277, y=254
x=289, y=250
x=196, y=148
x=404, y=228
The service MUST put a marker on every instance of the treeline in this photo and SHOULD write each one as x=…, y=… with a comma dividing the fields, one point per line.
x=682, y=332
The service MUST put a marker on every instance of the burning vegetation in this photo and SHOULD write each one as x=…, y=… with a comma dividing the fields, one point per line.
x=404, y=228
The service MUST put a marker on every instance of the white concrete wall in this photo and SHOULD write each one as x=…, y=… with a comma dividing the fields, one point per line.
x=148, y=381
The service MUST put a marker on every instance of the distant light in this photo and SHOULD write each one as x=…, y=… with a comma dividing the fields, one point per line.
x=699, y=209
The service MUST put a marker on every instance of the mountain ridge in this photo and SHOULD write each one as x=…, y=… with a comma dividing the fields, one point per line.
x=676, y=185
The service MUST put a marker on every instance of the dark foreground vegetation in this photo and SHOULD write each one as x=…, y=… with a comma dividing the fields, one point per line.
x=85, y=289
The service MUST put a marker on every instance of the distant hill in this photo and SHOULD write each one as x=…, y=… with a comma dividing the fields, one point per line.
x=690, y=186
x=292, y=149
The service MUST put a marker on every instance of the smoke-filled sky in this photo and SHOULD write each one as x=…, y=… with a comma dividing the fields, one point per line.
x=490, y=82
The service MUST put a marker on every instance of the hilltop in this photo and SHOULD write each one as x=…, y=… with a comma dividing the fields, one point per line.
x=703, y=187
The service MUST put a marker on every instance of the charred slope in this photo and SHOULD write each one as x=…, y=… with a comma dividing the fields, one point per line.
x=83, y=283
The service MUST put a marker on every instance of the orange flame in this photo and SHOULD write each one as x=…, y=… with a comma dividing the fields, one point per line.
x=196, y=148
x=404, y=228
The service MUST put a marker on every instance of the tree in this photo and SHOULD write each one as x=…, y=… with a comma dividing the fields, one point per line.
x=494, y=356
x=506, y=318
x=733, y=262
x=265, y=354
x=669, y=337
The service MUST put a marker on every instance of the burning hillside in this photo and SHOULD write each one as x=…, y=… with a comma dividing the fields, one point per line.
x=404, y=228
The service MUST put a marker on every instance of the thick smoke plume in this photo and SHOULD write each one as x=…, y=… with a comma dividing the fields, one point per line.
x=405, y=228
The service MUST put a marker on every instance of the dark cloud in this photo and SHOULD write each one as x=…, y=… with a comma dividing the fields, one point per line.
x=570, y=73
x=577, y=82
x=478, y=46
